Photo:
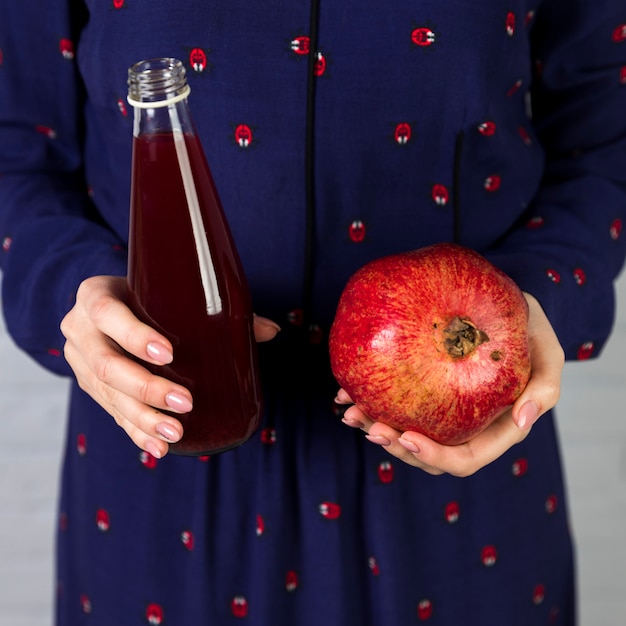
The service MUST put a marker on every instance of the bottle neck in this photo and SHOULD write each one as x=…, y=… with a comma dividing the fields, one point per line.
x=158, y=91
x=156, y=82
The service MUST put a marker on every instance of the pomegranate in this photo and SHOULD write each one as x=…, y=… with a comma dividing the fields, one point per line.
x=434, y=340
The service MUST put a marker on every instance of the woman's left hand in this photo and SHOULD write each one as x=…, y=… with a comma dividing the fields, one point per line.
x=540, y=395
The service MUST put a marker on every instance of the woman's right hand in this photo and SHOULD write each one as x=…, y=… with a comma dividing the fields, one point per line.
x=101, y=332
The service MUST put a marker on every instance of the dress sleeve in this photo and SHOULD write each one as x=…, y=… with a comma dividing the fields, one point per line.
x=51, y=235
x=569, y=248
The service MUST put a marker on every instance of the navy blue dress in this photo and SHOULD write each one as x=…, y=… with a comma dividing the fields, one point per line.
x=337, y=132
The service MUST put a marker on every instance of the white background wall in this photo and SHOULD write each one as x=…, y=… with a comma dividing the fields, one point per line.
x=592, y=423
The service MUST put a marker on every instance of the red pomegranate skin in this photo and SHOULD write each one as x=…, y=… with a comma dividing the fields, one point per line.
x=399, y=341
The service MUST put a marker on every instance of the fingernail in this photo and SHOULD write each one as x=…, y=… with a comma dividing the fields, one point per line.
x=409, y=445
x=527, y=414
x=378, y=439
x=168, y=432
x=153, y=449
x=159, y=352
x=178, y=403
x=267, y=322
x=354, y=423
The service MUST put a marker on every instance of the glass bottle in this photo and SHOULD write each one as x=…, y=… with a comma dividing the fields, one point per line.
x=185, y=277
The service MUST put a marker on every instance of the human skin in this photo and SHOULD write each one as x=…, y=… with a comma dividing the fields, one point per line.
x=101, y=332
x=540, y=395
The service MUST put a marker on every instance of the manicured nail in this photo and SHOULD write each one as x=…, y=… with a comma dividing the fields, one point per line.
x=378, y=439
x=409, y=445
x=178, y=403
x=168, y=432
x=153, y=449
x=527, y=415
x=159, y=352
x=267, y=322
x=354, y=423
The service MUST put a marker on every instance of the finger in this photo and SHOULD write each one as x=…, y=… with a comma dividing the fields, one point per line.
x=141, y=422
x=105, y=308
x=388, y=438
x=115, y=373
x=343, y=397
x=547, y=357
x=265, y=329
x=465, y=459
x=147, y=428
x=355, y=418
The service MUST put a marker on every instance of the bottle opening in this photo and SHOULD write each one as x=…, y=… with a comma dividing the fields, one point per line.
x=156, y=80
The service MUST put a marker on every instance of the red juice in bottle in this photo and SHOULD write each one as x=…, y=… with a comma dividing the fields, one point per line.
x=186, y=280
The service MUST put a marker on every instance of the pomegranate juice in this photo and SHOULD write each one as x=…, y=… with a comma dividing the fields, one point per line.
x=214, y=354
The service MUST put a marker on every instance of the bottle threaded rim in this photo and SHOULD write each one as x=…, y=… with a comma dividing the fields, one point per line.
x=155, y=80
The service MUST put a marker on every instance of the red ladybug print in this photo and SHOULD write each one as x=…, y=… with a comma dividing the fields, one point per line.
x=147, y=460
x=239, y=606
x=187, y=539
x=118, y=4
x=85, y=603
x=315, y=334
x=6, y=243
x=402, y=134
x=622, y=75
x=372, y=563
x=529, y=17
x=579, y=276
x=535, y=222
x=510, y=23
x=291, y=581
x=515, y=87
x=260, y=525
x=539, y=594
x=585, y=351
x=268, y=435
x=154, y=614
x=320, y=65
x=619, y=34
x=551, y=504
x=54, y=352
x=452, y=512
x=423, y=36
x=47, y=131
x=102, y=520
x=81, y=444
x=489, y=556
x=66, y=47
x=492, y=183
x=525, y=136
x=204, y=458
x=424, y=610
x=440, y=195
x=553, y=275
x=296, y=317
x=329, y=510
x=385, y=472
x=554, y=615
x=121, y=105
x=301, y=45
x=357, y=231
x=616, y=229
x=520, y=468
x=487, y=128
x=243, y=135
x=198, y=60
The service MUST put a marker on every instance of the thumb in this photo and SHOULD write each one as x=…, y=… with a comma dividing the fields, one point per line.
x=265, y=329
